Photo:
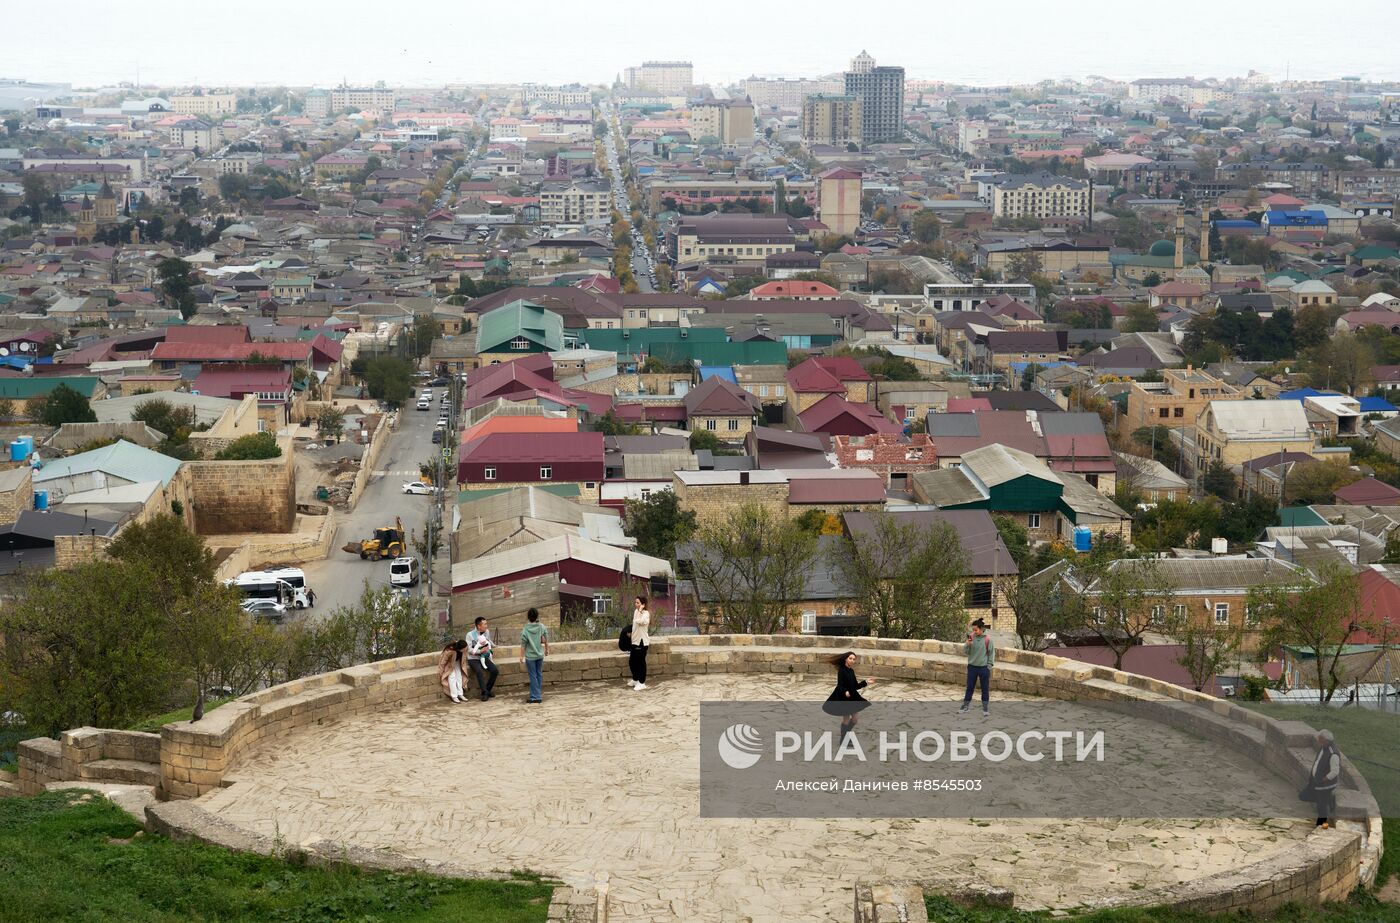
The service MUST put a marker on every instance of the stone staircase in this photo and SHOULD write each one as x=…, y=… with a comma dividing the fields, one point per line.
x=127, y=772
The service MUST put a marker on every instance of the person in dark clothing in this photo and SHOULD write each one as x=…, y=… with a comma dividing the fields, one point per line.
x=845, y=700
x=1325, y=777
x=480, y=651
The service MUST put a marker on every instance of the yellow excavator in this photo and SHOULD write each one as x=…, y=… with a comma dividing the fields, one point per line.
x=387, y=542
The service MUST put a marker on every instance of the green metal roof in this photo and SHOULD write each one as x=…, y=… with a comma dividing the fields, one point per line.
x=708, y=345
x=543, y=328
x=1299, y=516
x=25, y=388
x=567, y=491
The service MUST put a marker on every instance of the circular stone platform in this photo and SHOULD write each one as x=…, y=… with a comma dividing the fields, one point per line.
x=600, y=784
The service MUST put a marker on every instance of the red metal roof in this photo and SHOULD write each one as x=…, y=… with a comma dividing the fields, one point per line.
x=544, y=447
x=222, y=333
x=1368, y=492
x=822, y=416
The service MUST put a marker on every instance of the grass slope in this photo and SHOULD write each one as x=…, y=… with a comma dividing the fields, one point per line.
x=75, y=857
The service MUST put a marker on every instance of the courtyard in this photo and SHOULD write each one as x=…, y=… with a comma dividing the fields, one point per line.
x=599, y=787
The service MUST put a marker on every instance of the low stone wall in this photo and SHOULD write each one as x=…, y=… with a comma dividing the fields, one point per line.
x=196, y=757
x=377, y=439
x=84, y=754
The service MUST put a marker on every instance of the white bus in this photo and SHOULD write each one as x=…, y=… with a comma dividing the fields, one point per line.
x=287, y=585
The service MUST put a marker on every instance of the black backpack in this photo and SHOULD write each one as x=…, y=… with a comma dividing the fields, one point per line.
x=624, y=639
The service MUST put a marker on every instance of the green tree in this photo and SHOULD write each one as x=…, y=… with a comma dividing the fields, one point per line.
x=176, y=284
x=63, y=405
x=742, y=285
x=1343, y=362
x=1152, y=280
x=1312, y=326
x=754, y=564
x=1023, y=264
x=165, y=418
x=1316, y=483
x=905, y=577
x=658, y=523
x=1015, y=537
x=388, y=378
x=253, y=447
x=702, y=440
x=1318, y=614
x=425, y=331
x=1139, y=318
x=330, y=423
x=36, y=195
x=926, y=228
x=1219, y=480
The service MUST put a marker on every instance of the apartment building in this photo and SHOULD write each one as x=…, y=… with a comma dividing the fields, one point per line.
x=789, y=93
x=194, y=133
x=317, y=104
x=831, y=119
x=1039, y=195
x=362, y=98
x=729, y=121
x=694, y=193
x=572, y=95
x=213, y=104
x=838, y=199
x=668, y=78
x=881, y=94
x=743, y=238
x=1176, y=401
x=573, y=202
x=1185, y=89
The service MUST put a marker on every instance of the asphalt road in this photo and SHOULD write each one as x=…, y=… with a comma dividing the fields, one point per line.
x=339, y=580
x=640, y=268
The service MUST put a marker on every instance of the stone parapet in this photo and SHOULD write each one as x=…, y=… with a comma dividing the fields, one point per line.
x=196, y=757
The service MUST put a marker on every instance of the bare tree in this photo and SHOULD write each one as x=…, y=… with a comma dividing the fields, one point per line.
x=907, y=578
x=1318, y=614
x=754, y=565
x=1205, y=649
x=1116, y=600
x=1041, y=609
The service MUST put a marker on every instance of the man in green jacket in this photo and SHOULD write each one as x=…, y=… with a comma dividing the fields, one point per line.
x=981, y=657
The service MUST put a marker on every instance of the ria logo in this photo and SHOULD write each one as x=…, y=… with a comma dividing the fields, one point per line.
x=740, y=746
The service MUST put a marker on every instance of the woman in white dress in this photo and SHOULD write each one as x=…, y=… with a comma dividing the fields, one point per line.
x=450, y=670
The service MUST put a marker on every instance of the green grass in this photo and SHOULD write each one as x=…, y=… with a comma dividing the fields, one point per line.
x=69, y=859
x=1362, y=908
x=180, y=714
x=1365, y=736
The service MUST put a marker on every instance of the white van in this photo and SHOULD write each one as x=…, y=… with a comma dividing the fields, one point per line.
x=403, y=571
x=286, y=585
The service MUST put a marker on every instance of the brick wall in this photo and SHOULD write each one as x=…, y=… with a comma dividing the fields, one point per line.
x=20, y=498
x=717, y=502
x=721, y=428
x=244, y=496
x=69, y=550
x=885, y=454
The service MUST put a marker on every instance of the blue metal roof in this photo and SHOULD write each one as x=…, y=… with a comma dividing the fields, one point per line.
x=1295, y=218
x=1237, y=223
x=1302, y=394
x=725, y=372
x=1377, y=405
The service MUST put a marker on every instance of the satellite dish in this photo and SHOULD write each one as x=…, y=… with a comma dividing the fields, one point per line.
x=4, y=351
x=25, y=347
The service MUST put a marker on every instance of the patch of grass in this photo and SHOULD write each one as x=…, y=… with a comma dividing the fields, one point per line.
x=1366, y=736
x=77, y=858
x=154, y=724
x=1361, y=908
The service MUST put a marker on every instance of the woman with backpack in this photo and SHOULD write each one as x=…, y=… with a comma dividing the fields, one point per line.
x=641, y=640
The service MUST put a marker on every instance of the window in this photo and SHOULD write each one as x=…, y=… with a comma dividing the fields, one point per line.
x=1179, y=612
x=1159, y=614
x=601, y=603
x=1251, y=617
x=710, y=424
x=979, y=595
x=646, y=493
x=589, y=485
x=519, y=343
x=733, y=426
x=546, y=472
x=1178, y=412
x=762, y=390
x=809, y=622
x=1162, y=412
x=1222, y=613
x=489, y=474
x=1033, y=520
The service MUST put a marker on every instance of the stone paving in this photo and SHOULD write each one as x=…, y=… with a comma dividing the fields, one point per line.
x=599, y=787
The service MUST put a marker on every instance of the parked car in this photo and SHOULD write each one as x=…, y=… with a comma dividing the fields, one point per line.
x=437, y=436
x=440, y=382
x=419, y=487
x=265, y=609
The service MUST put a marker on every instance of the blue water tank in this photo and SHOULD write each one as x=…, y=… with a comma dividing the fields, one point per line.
x=41, y=499
x=28, y=444
x=18, y=452
x=1083, y=538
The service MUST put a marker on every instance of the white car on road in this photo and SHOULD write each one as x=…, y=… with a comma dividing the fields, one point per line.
x=419, y=487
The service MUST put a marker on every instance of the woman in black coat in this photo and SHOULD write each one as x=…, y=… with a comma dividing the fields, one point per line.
x=845, y=700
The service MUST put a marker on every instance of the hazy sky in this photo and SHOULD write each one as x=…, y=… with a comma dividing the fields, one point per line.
x=431, y=42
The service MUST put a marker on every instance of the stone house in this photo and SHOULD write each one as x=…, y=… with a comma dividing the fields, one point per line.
x=723, y=408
